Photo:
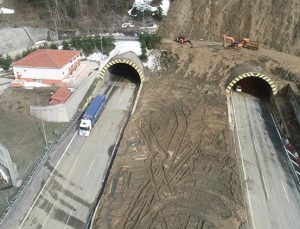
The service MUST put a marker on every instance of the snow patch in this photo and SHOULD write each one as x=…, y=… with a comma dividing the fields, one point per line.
x=145, y=5
x=153, y=61
x=6, y=11
x=31, y=85
x=120, y=47
x=42, y=42
x=165, y=5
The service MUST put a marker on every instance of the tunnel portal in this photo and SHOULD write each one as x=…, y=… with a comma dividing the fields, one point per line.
x=125, y=71
x=255, y=86
x=253, y=83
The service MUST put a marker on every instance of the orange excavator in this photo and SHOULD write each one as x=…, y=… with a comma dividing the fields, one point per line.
x=183, y=40
x=229, y=41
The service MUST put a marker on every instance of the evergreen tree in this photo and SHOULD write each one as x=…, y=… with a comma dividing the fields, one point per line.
x=5, y=62
x=66, y=45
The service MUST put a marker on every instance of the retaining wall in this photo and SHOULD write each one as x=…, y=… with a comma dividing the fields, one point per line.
x=63, y=112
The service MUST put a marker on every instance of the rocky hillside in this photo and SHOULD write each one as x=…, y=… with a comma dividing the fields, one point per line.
x=104, y=15
x=273, y=23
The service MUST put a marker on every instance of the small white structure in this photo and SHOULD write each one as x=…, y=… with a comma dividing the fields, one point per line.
x=46, y=66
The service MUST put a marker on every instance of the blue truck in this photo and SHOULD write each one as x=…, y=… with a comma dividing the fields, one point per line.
x=91, y=115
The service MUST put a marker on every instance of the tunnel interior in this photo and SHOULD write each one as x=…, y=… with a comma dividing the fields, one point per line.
x=124, y=71
x=255, y=86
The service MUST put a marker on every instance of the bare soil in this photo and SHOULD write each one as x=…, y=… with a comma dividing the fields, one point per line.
x=22, y=133
x=176, y=165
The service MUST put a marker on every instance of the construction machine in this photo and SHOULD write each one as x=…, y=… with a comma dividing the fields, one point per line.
x=183, y=40
x=229, y=41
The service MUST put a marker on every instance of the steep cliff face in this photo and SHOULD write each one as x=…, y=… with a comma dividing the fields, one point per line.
x=273, y=23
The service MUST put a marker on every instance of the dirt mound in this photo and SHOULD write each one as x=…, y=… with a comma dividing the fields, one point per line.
x=274, y=24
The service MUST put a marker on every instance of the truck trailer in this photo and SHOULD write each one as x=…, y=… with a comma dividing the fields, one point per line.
x=91, y=115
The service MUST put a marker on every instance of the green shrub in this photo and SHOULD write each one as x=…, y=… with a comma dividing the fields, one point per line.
x=143, y=56
x=5, y=62
x=150, y=39
x=158, y=14
x=53, y=46
x=66, y=45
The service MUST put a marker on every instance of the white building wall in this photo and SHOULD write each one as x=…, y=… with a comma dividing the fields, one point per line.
x=44, y=73
x=38, y=73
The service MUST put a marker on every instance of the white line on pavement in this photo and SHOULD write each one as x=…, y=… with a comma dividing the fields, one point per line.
x=26, y=216
x=68, y=218
x=90, y=167
x=250, y=206
x=265, y=184
x=47, y=216
x=285, y=191
x=107, y=129
x=120, y=101
x=259, y=117
x=70, y=171
x=240, y=149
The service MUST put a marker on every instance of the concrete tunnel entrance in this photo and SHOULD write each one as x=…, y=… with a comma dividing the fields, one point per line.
x=253, y=83
x=255, y=86
x=121, y=70
x=126, y=65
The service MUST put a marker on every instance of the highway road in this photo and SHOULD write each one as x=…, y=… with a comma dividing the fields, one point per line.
x=67, y=196
x=270, y=190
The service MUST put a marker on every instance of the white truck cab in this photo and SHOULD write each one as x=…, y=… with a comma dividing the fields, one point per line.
x=85, y=127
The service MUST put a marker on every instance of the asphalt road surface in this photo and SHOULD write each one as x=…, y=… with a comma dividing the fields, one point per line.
x=271, y=193
x=70, y=192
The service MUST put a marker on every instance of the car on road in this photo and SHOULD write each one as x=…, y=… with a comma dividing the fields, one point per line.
x=238, y=88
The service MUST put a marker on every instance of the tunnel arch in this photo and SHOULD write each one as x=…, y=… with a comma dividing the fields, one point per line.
x=252, y=74
x=125, y=61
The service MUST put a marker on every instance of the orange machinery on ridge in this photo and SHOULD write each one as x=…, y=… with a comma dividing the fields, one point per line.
x=229, y=41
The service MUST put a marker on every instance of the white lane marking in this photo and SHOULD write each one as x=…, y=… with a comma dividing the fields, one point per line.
x=285, y=191
x=70, y=171
x=68, y=218
x=48, y=216
x=259, y=117
x=107, y=129
x=240, y=149
x=268, y=141
x=90, y=167
x=250, y=205
x=120, y=101
x=265, y=184
x=269, y=144
x=47, y=180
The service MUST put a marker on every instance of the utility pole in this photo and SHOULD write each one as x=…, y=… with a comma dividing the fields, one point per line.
x=43, y=126
x=101, y=46
x=143, y=17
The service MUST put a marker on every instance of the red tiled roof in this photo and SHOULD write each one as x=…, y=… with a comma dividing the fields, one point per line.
x=61, y=95
x=47, y=58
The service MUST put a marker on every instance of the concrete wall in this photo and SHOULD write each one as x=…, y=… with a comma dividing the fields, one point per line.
x=5, y=161
x=63, y=112
x=14, y=40
x=293, y=97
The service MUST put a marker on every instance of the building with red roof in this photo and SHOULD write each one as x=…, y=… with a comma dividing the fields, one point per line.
x=47, y=66
x=60, y=96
